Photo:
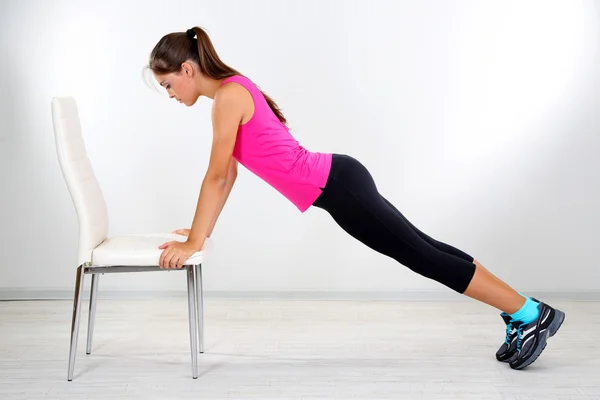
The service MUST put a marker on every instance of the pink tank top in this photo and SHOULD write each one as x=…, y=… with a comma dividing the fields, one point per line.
x=266, y=148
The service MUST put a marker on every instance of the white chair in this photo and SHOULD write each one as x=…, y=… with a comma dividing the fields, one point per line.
x=98, y=254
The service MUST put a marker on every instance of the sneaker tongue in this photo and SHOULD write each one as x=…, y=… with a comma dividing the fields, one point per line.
x=517, y=324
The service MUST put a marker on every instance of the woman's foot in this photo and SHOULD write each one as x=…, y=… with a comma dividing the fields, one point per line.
x=509, y=347
x=532, y=336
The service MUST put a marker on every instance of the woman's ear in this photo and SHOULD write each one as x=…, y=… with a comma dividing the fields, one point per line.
x=187, y=69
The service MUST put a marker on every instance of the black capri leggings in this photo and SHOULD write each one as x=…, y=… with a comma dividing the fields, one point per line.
x=352, y=199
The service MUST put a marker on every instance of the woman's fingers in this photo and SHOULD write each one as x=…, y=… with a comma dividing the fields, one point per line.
x=173, y=260
x=163, y=258
x=173, y=256
x=167, y=256
x=165, y=245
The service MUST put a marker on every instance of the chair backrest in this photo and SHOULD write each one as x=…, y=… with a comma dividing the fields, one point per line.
x=80, y=178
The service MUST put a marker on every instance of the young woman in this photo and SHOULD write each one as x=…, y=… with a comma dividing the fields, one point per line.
x=249, y=128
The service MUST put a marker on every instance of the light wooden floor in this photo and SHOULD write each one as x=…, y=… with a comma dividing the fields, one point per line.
x=291, y=350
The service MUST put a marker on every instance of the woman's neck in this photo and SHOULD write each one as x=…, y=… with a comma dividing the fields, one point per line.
x=208, y=87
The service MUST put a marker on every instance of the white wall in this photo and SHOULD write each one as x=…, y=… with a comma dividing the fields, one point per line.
x=478, y=120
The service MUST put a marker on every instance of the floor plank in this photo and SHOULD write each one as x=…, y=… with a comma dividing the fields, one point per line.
x=276, y=349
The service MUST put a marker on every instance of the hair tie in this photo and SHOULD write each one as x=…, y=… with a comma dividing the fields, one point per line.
x=191, y=33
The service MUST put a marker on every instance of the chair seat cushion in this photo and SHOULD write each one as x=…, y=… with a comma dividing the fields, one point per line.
x=140, y=250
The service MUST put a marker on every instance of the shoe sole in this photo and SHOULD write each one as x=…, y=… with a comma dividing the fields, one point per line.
x=552, y=329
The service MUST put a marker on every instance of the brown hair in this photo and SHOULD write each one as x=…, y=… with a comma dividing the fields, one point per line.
x=176, y=48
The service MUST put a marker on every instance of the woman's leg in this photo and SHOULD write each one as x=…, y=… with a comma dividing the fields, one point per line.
x=435, y=243
x=352, y=199
x=489, y=289
x=483, y=280
x=354, y=202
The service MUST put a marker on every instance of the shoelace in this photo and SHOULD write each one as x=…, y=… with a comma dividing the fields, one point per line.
x=519, y=337
x=509, y=328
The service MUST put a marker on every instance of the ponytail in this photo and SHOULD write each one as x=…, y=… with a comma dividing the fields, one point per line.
x=176, y=48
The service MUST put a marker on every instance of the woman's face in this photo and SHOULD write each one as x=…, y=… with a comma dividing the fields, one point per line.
x=180, y=85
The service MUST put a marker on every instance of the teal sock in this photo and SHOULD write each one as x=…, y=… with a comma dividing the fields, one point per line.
x=528, y=313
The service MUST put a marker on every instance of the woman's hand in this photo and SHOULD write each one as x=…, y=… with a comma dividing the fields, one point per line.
x=176, y=253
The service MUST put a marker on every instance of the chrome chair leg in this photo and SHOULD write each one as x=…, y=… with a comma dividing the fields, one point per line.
x=75, y=321
x=92, y=312
x=191, y=286
x=200, y=303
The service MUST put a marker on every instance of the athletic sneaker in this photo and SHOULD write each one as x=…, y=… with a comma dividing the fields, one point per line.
x=509, y=347
x=532, y=337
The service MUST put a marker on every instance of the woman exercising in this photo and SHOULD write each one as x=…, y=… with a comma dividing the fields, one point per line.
x=249, y=128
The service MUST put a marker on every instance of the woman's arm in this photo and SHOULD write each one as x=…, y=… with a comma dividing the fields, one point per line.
x=227, y=114
x=231, y=177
